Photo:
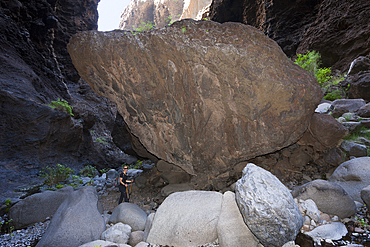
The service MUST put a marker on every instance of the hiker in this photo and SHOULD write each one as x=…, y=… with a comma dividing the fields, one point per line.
x=123, y=186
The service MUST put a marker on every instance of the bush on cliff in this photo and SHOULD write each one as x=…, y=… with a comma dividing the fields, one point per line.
x=61, y=105
x=324, y=76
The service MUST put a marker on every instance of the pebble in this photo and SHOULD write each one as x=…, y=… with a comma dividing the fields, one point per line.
x=25, y=237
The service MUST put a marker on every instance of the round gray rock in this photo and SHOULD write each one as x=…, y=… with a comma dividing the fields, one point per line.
x=130, y=214
x=353, y=175
x=267, y=207
x=186, y=219
x=37, y=207
x=329, y=197
x=118, y=233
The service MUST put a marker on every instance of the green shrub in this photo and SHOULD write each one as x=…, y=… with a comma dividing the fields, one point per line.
x=144, y=26
x=55, y=175
x=328, y=83
x=61, y=105
x=101, y=140
x=89, y=171
x=6, y=226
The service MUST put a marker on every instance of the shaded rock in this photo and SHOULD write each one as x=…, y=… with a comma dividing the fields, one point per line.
x=37, y=207
x=365, y=195
x=342, y=106
x=267, y=207
x=354, y=149
x=140, y=182
x=119, y=233
x=353, y=175
x=330, y=198
x=164, y=166
x=323, y=132
x=77, y=221
x=130, y=214
x=359, y=86
x=231, y=229
x=172, y=188
x=361, y=63
x=333, y=231
x=175, y=177
x=148, y=225
x=136, y=237
x=210, y=90
x=364, y=111
x=186, y=219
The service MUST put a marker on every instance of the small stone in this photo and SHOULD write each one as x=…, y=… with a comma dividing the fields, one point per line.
x=335, y=218
x=359, y=230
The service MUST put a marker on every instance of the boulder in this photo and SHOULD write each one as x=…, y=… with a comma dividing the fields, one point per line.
x=359, y=86
x=130, y=214
x=309, y=208
x=332, y=231
x=231, y=229
x=37, y=207
x=323, y=132
x=118, y=233
x=136, y=237
x=77, y=221
x=364, y=111
x=342, y=106
x=354, y=149
x=353, y=175
x=329, y=197
x=324, y=108
x=200, y=84
x=267, y=207
x=186, y=219
x=172, y=188
x=365, y=195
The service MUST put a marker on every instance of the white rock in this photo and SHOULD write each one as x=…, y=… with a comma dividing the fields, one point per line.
x=119, y=233
x=333, y=231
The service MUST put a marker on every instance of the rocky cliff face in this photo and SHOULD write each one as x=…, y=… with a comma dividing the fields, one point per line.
x=155, y=11
x=339, y=30
x=35, y=70
x=161, y=12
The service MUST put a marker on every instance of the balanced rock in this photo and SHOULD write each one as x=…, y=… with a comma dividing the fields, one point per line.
x=130, y=214
x=200, y=94
x=267, y=207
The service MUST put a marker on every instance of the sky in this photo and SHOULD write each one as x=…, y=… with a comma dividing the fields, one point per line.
x=110, y=13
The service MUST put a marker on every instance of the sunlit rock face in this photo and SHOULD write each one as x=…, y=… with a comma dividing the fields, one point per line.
x=201, y=95
x=158, y=12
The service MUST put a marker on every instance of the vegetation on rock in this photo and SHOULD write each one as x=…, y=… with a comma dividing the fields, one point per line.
x=55, y=175
x=61, y=105
x=311, y=62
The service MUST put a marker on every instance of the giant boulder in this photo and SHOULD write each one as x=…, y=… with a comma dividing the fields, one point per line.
x=200, y=94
